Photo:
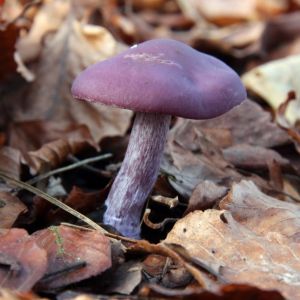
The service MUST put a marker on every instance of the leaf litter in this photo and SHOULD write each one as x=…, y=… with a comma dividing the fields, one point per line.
x=230, y=185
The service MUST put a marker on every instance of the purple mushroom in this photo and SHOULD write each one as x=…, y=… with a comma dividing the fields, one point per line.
x=157, y=79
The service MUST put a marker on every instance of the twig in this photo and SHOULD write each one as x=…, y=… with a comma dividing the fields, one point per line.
x=71, y=211
x=53, y=200
x=74, y=159
x=68, y=168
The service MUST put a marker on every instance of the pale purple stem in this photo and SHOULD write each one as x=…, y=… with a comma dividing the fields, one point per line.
x=138, y=173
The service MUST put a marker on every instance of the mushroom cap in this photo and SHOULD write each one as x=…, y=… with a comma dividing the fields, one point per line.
x=162, y=76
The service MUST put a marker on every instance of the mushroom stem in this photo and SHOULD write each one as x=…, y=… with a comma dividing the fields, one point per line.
x=138, y=173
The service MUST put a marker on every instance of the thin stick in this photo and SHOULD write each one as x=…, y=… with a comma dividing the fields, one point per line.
x=65, y=207
x=68, y=168
x=53, y=200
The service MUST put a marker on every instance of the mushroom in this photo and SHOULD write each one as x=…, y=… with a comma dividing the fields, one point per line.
x=157, y=79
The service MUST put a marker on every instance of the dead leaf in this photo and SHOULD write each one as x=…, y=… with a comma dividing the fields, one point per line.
x=205, y=195
x=255, y=127
x=73, y=255
x=250, y=248
x=253, y=157
x=50, y=98
x=23, y=262
x=10, y=208
x=10, y=161
x=48, y=19
x=274, y=80
x=262, y=214
x=47, y=144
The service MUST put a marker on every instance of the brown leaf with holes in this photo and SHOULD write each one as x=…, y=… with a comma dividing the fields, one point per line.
x=22, y=261
x=49, y=98
x=249, y=242
x=262, y=214
x=10, y=208
x=73, y=255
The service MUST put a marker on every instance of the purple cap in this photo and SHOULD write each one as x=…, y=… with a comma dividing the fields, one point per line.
x=162, y=76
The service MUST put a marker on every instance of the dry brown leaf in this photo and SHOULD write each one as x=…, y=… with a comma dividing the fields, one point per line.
x=254, y=127
x=205, y=195
x=251, y=245
x=23, y=262
x=262, y=214
x=10, y=208
x=46, y=144
x=10, y=161
x=48, y=19
x=88, y=252
x=253, y=157
x=50, y=97
x=54, y=153
x=274, y=80
x=194, y=149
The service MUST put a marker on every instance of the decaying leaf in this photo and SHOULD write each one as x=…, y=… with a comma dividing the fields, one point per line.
x=253, y=157
x=50, y=98
x=73, y=255
x=10, y=161
x=22, y=261
x=10, y=208
x=255, y=127
x=205, y=195
x=239, y=248
x=274, y=80
x=262, y=214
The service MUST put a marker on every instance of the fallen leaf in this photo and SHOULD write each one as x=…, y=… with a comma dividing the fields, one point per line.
x=250, y=248
x=255, y=127
x=205, y=195
x=273, y=81
x=49, y=96
x=23, y=262
x=10, y=161
x=73, y=255
x=262, y=214
x=10, y=208
x=46, y=143
x=253, y=157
